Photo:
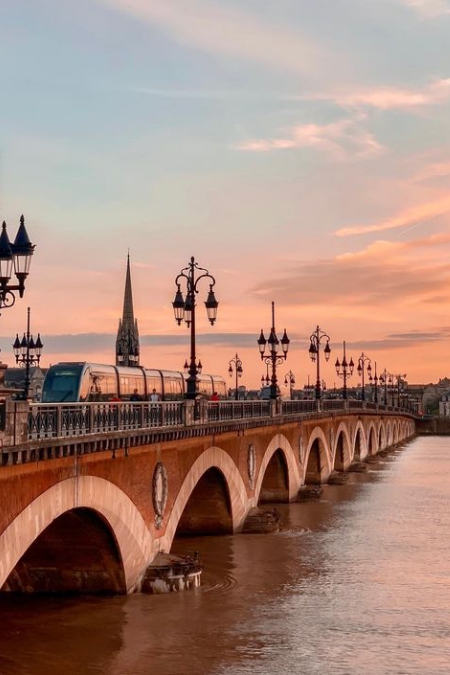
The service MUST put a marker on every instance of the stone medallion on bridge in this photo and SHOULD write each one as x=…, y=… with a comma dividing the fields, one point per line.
x=251, y=465
x=159, y=493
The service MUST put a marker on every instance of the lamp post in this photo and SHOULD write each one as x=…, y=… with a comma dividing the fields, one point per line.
x=363, y=359
x=400, y=380
x=273, y=358
x=27, y=353
x=265, y=379
x=385, y=380
x=314, y=353
x=15, y=256
x=344, y=369
x=375, y=379
x=184, y=308
x=309, y=389
x=289, y=380
x=237, y=370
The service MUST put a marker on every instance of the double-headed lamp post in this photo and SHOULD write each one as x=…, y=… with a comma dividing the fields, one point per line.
x=386, y=380
x=400, y=386
x=362, y=361
x=375, y=380
x=236, y=368
x=344, y=369
x=273, y=358
x=17, y=257
x=27, y=353
x=184, y=309
x=289, y=381
x=314, y=353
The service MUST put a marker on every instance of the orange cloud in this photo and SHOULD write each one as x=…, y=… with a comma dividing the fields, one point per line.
x=409, y=217
x=382, y=276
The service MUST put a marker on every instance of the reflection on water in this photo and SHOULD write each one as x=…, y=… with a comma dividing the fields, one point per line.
x=356, y=583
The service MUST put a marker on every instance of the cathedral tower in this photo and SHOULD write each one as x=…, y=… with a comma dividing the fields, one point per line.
x=127, y=342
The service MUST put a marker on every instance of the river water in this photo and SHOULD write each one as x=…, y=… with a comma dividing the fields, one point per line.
x=357, y=583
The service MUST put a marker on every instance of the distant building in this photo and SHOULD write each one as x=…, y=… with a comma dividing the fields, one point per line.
x=433, y=394
x=14, y=380
x=127, y=342
x=444, y=405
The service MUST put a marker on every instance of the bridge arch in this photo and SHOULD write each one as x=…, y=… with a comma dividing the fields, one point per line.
x=396, y=432
x=279, y=447
x=317, y=465
x=382, y=436
x=133, y=539
x=389, y=437
x=359, y=442
x=214, y=459
x=342, y=448
x=372, y=442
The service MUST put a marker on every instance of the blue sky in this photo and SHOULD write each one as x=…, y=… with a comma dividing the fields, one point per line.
x=299, y=149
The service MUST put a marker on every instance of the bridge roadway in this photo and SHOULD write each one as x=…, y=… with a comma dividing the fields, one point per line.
x=90, y=494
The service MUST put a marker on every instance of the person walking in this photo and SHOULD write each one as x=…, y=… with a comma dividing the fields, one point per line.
x=135, y=396
x=154, y=396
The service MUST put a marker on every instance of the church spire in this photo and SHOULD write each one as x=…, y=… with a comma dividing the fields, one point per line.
x=127, y=343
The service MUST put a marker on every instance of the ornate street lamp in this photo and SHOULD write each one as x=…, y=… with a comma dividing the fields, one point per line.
x=273, y=358
x=17, y=257
x=27, y=353
x=289, y=381
x=399, y=384
x=363, y=359
x=314, y=353
x=344, y=369
x=309, y=389
x=386, y=381
x=375, y=379
x=237, y=370
x=184, y=309
x=265, y=379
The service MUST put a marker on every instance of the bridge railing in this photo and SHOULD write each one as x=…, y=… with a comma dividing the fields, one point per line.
x=79, y=419
x=234, y=410
x=299, y=407
x=38, y=421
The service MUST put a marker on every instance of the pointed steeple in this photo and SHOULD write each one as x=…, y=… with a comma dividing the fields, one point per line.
x=127, y=343
x=128, y=313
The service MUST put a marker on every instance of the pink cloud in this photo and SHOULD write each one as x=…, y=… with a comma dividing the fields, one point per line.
x=409, y=217
x=436, y=170
x=341, y=139
x=387, y=98
x=429, y=8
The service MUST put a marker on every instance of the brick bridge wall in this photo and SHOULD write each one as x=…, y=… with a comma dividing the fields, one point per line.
x=95, y=521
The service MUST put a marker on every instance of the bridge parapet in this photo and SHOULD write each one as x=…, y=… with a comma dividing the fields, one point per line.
x=39, y=431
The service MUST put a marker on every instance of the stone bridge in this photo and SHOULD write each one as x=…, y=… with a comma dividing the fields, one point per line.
x=91, y=516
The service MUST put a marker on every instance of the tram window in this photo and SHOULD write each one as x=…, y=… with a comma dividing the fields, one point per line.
x=128, y=383
x=168, y=386
x=84, y=387
x=61, y=386
x=102, y=387
x=178, y=388
x=153, y=382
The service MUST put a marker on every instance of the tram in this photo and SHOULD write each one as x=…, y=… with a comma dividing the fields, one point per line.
x=81, y=381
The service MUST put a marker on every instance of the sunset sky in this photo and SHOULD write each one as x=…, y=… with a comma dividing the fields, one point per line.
x=299, y=149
